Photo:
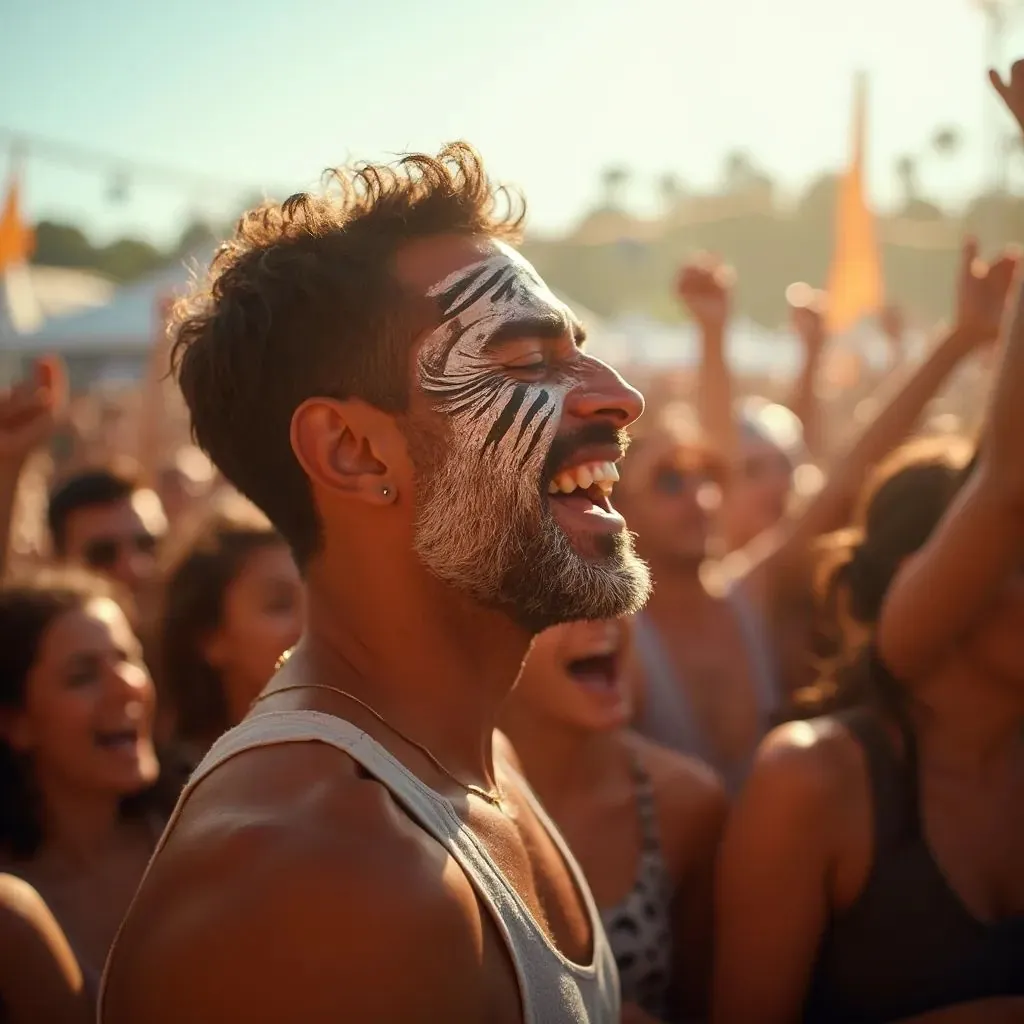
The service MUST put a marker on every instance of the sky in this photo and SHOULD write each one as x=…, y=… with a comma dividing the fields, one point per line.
x=263, y=94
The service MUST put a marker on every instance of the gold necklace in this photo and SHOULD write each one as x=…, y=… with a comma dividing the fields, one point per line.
x=494, y=799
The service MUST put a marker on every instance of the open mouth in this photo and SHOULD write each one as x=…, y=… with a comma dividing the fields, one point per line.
x=596, y=672
x=586, y=487
x=118, y=739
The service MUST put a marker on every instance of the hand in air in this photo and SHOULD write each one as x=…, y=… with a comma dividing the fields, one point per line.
x=29, y=411
x=807, y=308
x=705, y=286
x=982, y=293
x=1012, y=92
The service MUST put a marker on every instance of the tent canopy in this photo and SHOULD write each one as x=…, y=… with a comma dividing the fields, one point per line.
x=124, y=324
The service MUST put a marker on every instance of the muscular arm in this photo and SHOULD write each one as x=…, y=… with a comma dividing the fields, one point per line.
x=40, y=979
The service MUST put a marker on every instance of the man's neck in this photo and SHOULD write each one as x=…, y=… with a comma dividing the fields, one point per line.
x=434, y=665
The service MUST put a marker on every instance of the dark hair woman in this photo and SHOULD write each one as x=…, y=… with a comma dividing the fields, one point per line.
x=233, y=604
x=873, y=869
x=81, y=799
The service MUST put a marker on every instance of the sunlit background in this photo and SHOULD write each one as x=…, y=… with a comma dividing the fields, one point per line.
x=638, y=131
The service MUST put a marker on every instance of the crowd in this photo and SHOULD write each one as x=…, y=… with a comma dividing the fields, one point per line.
x=261, y=755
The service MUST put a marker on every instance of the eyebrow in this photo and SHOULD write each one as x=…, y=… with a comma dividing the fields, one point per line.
x=548, y=326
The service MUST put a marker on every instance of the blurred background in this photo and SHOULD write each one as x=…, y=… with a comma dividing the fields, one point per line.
x=639, y=133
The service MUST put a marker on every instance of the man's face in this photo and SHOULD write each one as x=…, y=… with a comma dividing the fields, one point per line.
x=118, y=539
x=515, y=473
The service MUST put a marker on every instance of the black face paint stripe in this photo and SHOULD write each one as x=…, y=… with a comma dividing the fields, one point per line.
x=448, y=298
x=537, y=435
x=508, y=291
x=507, y=417
x=462, y=306
x=539, y=402
x=479, y=401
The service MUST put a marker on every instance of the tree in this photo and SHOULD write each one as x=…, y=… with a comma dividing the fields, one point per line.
x=62, y=245
x=670, y=190
x=906, y=171
x=613, y=181
x=947, y=141
x=194, y=236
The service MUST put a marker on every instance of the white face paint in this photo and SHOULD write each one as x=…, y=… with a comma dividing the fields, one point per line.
x=483, y=523
x=513, y=422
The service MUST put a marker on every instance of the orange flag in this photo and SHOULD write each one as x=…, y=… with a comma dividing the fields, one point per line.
x=855, y=288
x=17, y=239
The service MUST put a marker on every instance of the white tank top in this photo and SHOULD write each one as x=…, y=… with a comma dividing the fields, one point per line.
x=554, y=990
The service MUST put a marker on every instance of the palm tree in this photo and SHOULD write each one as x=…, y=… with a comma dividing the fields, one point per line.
x=670, y=190
x=947, y=141
x=906, y=171
x=613, y=181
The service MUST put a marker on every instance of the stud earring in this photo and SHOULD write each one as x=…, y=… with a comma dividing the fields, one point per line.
x=386, y=491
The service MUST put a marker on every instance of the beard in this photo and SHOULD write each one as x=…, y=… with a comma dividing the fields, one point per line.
x=486, y=529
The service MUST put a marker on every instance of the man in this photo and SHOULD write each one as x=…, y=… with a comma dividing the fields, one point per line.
x=407, y=401
x=105, y=520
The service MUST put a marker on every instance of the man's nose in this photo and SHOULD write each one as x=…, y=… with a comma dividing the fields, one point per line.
x=603, y=394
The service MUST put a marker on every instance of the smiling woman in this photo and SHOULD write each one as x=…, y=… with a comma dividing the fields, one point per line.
x=81, y=800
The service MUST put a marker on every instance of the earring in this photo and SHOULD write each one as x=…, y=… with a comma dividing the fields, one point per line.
x=386, y=491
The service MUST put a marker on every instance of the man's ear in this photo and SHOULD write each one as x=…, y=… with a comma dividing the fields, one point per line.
x=345, y=447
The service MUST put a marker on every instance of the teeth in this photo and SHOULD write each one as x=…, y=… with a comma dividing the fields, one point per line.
x=603, y=474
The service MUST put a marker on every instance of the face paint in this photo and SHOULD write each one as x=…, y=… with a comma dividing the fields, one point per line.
x=512, y=421
x=483, y=521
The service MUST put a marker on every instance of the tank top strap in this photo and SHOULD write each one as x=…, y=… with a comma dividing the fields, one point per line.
x=759, y=651
x=588, y=993
x=891, y=775
x=646, y=806
x=666, y=714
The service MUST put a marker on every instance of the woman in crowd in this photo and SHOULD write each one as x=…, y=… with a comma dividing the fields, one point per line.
x=233, y=604
x=81, y=798
x=643, y=822
x=873, y=869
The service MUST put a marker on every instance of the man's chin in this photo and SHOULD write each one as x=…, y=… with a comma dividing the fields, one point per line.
x=589, y=577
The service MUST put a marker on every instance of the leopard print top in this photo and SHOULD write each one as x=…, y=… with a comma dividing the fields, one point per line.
x=639, y=927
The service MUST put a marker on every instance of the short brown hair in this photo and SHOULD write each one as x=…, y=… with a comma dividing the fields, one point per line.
x=302, y=302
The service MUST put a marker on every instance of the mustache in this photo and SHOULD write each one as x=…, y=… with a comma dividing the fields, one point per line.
x=565, y=446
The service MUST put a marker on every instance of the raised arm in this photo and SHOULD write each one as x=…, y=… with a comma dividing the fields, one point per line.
x=775, y=559
x=705, y=287
x=980, y=542
x=28, y=414
x=806, y=310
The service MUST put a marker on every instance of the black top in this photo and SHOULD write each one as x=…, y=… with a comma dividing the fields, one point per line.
x=907, y=945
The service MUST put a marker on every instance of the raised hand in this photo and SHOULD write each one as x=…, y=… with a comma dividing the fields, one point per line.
x=807, y=308
x=29, y=411
x=1012, y=92
x=705, y=286
x=982, y=293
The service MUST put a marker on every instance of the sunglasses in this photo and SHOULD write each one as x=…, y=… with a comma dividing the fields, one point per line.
x=105, y=552
x=671, y=481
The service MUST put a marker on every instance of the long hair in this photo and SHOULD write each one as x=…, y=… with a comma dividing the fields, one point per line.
x=27, y=611
x=901, y=506
x=193, y=608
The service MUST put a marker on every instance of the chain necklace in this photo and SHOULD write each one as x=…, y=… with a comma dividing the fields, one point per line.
x=493, y=798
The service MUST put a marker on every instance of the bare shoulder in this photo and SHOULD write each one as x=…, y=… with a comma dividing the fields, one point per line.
x=691, y=800
x=807, y=767
x=300, y=887
x=40, y=978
